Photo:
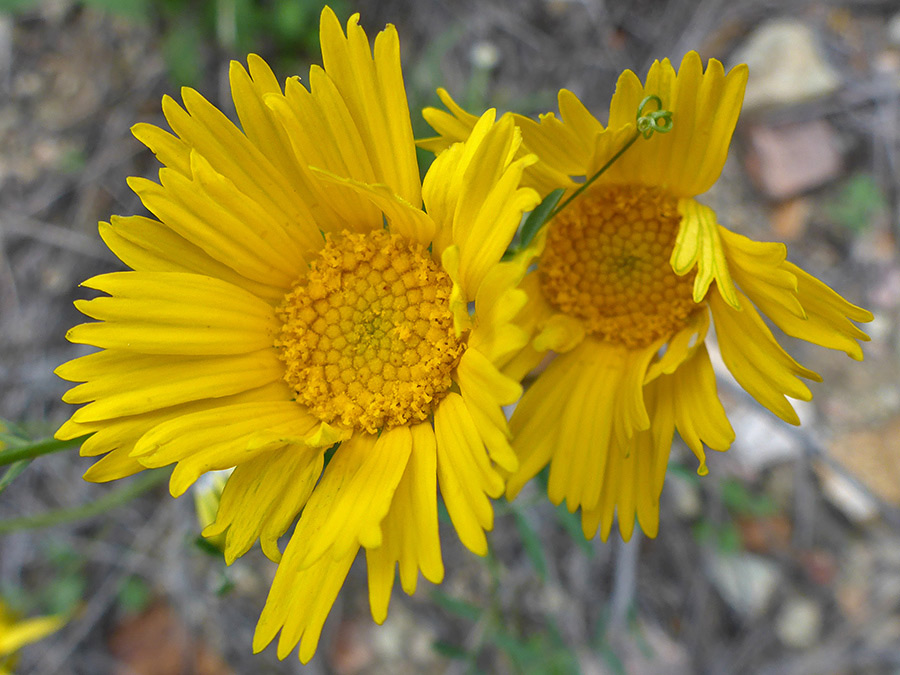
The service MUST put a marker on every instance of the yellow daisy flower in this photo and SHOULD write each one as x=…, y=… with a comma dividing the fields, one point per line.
x=341, y=375
x=628, y=277
x=15, y=634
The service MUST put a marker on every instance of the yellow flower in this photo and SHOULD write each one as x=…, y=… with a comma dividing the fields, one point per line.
x=15, y=634
x=627, y=279
x=245, y=338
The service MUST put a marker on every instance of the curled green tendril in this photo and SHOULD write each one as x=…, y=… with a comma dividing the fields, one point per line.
x=659, y=120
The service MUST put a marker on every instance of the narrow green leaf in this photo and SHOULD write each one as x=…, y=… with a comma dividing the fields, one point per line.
x=537, y=218
x=461, y=608
x=532, y=544
x=450, y=651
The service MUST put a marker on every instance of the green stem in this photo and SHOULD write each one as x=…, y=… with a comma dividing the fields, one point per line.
x=589, y=181
x=110, y=501
x=32, y=450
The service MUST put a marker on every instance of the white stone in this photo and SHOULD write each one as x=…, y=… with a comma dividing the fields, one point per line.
x=849, y=499
x=799, y=623
x=746, y=582
x=786, y=66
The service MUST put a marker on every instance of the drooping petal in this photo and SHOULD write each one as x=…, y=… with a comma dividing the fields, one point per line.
x=756, y=360
x=798, y=303
x=300, y=600
x=263, y=496
x=699, y=415
x=484, y=390
x=346, y=508
x=410, y=528
x=466, y=476
x=223, y=437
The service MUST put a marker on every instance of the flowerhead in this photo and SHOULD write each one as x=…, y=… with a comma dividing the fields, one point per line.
x=15, y=633
x=627, y=279
x=293, y=312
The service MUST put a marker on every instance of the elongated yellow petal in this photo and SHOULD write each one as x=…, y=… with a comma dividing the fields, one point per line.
x=354, y=495
x=466, y=476
x=699, y=415
x=410, y=528
x=211, y=134
x=373, y=90
x=300, y=600
x=798, y=303
x=113, y=466
x=147, y=383
x=705, y=108
x=263, y=496
x=174, y=313
x=146, y=245
x=484, y=390
x=756, y=360
x=21, y=633
x=452, y=127
x=221, y=438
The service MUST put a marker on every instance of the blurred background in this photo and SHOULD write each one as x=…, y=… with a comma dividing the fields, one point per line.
x=784, y=560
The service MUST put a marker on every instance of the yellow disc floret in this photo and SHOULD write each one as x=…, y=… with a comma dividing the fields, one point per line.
x=367, y=337
x=607, y=263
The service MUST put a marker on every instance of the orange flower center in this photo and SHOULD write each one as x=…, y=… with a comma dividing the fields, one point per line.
x=367, y=337
x=607, y=263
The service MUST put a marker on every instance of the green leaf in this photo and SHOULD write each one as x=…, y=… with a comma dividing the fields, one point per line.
x=182, y=52
x=453, y=605
x=129, y=9
x=134, y=595
x=537, y=218
x=532, y=544
x=450, y=651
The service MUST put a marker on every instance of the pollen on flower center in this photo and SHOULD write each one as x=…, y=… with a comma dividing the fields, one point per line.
x=367, y=337
x=607, y=263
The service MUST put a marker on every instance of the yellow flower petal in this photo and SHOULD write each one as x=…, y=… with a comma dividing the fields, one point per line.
x=173, y=313
x=220, y=438
x=466, y=476
x=300, y=600
x=705, y=107
x=798, y=303
x=146, y=245
x=129, y=385
x=354, y=495
x=452, y=127
x=698, y=243
x=262, y=497
x=21, y=633
x=699, y=415
x=484, y=390
x=402, y=216
x=376, y=98
x=410, y=528
x=756, y=360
